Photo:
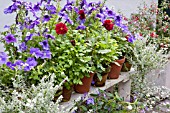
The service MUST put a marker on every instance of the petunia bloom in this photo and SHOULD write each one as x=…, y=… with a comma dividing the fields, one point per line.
x=81, y=27
x=22, y=47
x=28, y=37
x=44, y=44
x=108, y=24
x=10, y=38
x=3, y=58
x=90, y=101
x=61, y=28
x=46, y=18
x=19, y=64
x=36, y=52
x=10, y=65
x=46, y=54
x=30, y=63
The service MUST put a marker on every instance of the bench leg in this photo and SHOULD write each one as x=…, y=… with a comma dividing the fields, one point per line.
x=124, y=89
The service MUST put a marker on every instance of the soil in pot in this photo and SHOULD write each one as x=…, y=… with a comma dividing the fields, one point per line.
x=115, y=69
x=85, y=87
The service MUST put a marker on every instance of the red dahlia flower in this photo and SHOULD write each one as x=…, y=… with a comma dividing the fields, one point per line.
x=108, y=24
x=61, y=28
x=82, y=14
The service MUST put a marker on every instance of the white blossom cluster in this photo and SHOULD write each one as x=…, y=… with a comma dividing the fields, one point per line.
x=36, y=99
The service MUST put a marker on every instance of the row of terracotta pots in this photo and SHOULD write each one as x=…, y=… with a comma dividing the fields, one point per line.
x=113, y=74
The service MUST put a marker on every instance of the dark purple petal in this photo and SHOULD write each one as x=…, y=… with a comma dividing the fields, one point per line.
x=68, y=8
x=46, y=54
x=19, y=64
x=90, y=101
x=118, y=20
x=27, y=68
x=51, y=9
x=36, y=52
x=46, y=18
x=123, y=27
x=22, y=47
x=81, y=27
x=3, y=58
x=44, y=44
x=76, y=9
x=131, y=38
x=11, y=9
x=36, y=7
x=10, y=65
x=6, y=26
x=10, y=38
x=28, y=37
x=110, y=13
x=69, y=21
x=49, y=36
x=31, y=61
x=83, y=3
x=91, y=10
x=31, y=26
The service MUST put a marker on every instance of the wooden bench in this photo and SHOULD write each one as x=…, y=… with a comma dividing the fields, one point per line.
x=124, y=88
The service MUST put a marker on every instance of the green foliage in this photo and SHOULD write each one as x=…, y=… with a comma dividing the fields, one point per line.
x=104, y=102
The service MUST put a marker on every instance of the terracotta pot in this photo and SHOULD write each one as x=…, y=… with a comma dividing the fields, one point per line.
x=85, y=87
x=126, y=66
x=115, y=69
x=99, y=83
x=66, y=93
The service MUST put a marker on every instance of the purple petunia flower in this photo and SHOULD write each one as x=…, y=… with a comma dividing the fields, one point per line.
x=28, y=37
x=101, y=16
x=83, y=3
x=22, y=47
x=11, y=65
x=3, y=58
x=65, y=17
x=11, y=9
x=49, y=36
x=90, y=101
x=36, y=7
x=110, y=13
x=6, y=26
x=51, y=9
x=81, y=27
x=91, y=10
x=30, y=63
x=36, y=52
x=76, y=9
x=46, y=18
x=131, y=38
x=46, y=54
x=19, y=64
x=118, y=20
x=10, y=38
x=31, y=25
x=44, y=44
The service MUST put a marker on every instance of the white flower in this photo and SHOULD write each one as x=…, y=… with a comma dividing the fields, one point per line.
x=129, y=107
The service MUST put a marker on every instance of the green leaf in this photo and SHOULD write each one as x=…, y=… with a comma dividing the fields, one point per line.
x=104, y=51
x=84, y=108
x=70, y=62
x=99, y=76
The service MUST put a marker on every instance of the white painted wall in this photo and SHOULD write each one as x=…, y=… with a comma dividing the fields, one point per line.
x=126, y=6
